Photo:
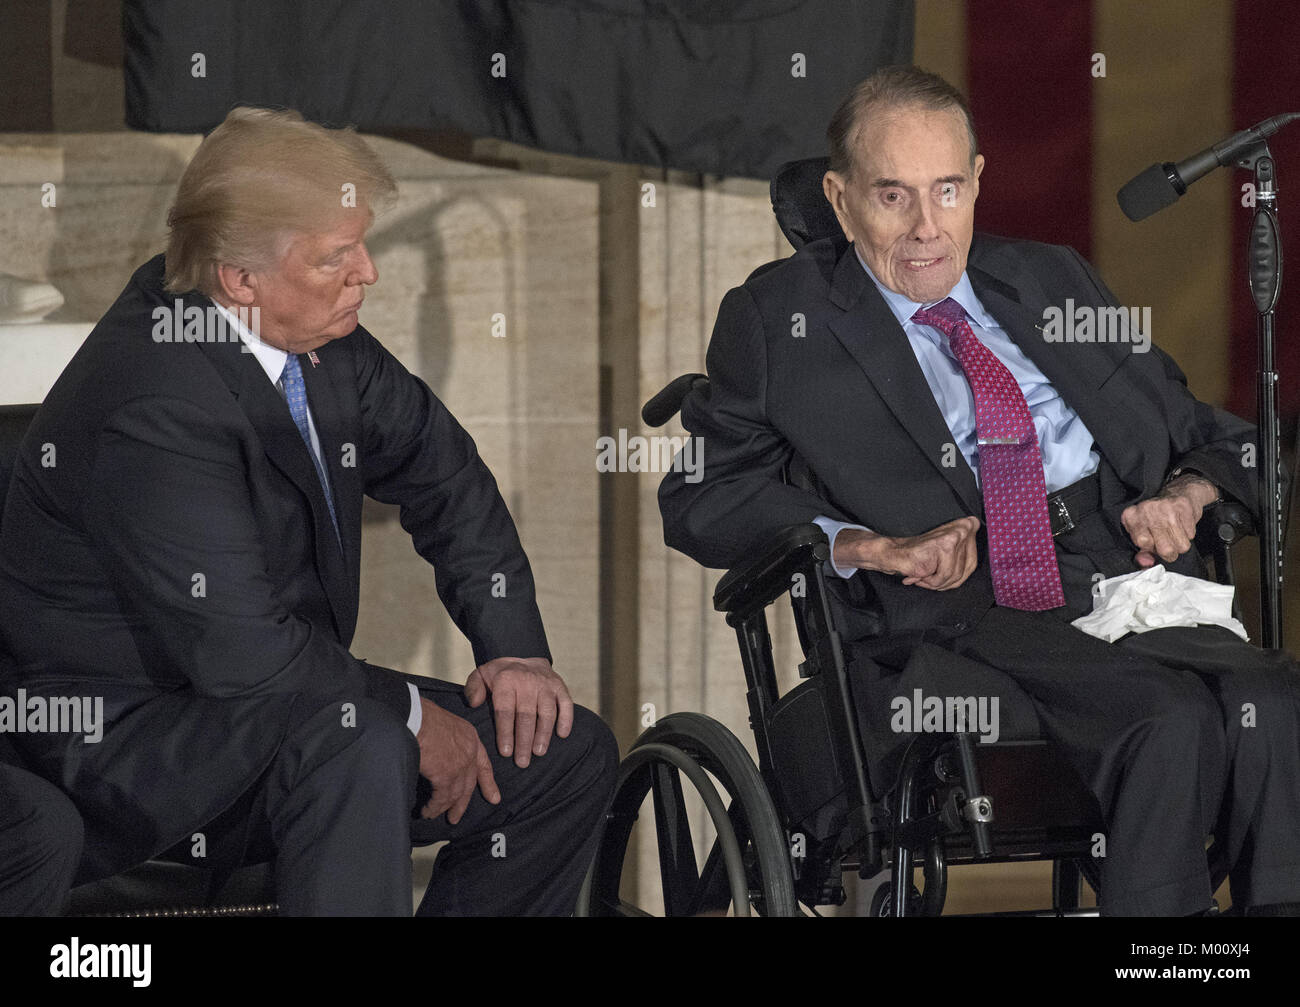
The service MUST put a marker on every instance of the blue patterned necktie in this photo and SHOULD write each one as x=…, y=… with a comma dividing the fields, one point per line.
x=295, y=393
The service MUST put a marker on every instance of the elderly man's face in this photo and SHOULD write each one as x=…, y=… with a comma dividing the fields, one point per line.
x=909, y=203
x=313, y=294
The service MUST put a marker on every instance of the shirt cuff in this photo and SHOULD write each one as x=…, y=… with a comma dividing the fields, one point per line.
x=416, y=718
x=832, y=528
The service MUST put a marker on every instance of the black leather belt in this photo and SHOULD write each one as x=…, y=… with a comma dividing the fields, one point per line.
x=1067, y=507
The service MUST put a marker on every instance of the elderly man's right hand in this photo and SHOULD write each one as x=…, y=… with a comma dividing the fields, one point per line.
x=939, y=559
x=454, y=761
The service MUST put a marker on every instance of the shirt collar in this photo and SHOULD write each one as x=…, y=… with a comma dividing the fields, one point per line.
x=904, y=308
x=272, y=358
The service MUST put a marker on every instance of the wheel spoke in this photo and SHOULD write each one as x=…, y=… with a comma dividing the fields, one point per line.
x=712, y=895
x=681, y=877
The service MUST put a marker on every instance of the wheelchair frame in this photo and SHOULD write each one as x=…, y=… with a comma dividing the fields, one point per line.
x=938, y=813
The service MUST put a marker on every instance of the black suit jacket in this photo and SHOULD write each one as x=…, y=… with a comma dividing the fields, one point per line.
x=166, y=545
x=850, y=398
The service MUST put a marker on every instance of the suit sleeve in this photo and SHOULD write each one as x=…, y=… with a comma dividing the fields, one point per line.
x=741, y=501
x=418, y=457
x=1202, y=437
x=170, y=512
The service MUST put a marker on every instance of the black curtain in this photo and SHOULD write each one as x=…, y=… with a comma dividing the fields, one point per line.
x=731, y=87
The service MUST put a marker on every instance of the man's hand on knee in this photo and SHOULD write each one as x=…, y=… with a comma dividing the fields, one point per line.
x=454, y=761
x=1163, y=527
x=530, y=701
x=939, y=559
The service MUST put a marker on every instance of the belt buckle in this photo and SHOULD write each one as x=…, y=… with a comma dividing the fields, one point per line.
x=1063, y=513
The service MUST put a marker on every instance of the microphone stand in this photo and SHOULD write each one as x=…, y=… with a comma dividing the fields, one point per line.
x=1264, y=270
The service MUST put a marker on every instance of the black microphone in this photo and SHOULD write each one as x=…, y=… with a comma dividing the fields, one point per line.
x=1162, y=184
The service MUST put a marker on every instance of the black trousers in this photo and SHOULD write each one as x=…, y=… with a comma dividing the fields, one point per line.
x=334, y=810
x=1180, y=733
x=40, y=844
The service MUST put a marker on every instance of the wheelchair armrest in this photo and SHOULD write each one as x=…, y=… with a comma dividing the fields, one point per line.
x=798, y=548
x=1225, y=522
x=1221, y=526
x=756, y=584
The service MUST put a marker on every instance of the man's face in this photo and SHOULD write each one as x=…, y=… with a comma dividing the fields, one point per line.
x=909, y=203
x=313, y=293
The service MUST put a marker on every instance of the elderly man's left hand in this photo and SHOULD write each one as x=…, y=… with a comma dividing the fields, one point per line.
x=529, y=699
x=1163, y=527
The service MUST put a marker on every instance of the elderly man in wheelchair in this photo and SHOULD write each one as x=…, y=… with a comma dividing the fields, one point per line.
x=895, y=434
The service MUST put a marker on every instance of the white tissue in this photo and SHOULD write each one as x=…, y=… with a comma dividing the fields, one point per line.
x=1154, y=598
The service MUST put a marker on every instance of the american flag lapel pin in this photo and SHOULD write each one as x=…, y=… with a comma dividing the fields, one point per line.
x=311, y=355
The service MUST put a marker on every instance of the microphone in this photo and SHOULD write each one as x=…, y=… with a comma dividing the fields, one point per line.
x=1162, y=184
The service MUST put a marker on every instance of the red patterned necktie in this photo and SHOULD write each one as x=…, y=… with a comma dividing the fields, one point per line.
x=1022, y=553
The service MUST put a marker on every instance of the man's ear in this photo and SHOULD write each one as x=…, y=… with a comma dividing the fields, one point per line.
x=236, y=284
x=833, y=186
x=975, y=176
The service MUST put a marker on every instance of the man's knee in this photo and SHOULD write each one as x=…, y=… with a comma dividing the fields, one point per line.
x=595, y=750
x=1261, y=695
x=1184, y=717
x=1259, y=707
x=362, y=732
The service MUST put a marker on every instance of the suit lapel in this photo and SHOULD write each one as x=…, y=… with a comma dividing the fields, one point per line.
x=1077, y=371
x=337, y=426
x=285, y=449
x=872, y=335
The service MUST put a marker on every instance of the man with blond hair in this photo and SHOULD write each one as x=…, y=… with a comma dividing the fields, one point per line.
x=182, y=537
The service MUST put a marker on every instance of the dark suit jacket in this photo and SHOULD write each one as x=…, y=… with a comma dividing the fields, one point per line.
x=850, y=398
x=152, y=463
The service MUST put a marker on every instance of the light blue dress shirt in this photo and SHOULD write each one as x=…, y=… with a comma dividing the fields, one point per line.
x=1066, y=444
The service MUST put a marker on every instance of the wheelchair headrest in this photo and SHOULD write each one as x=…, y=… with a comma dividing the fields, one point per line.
x=800, y=205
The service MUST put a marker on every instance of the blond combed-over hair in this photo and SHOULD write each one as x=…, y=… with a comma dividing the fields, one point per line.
x=261, y=177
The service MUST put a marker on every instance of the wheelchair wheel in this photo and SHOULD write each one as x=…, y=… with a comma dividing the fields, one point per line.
x=748, y=862
x=882, y=901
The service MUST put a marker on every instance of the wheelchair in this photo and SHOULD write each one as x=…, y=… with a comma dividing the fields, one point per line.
x=782, y=833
